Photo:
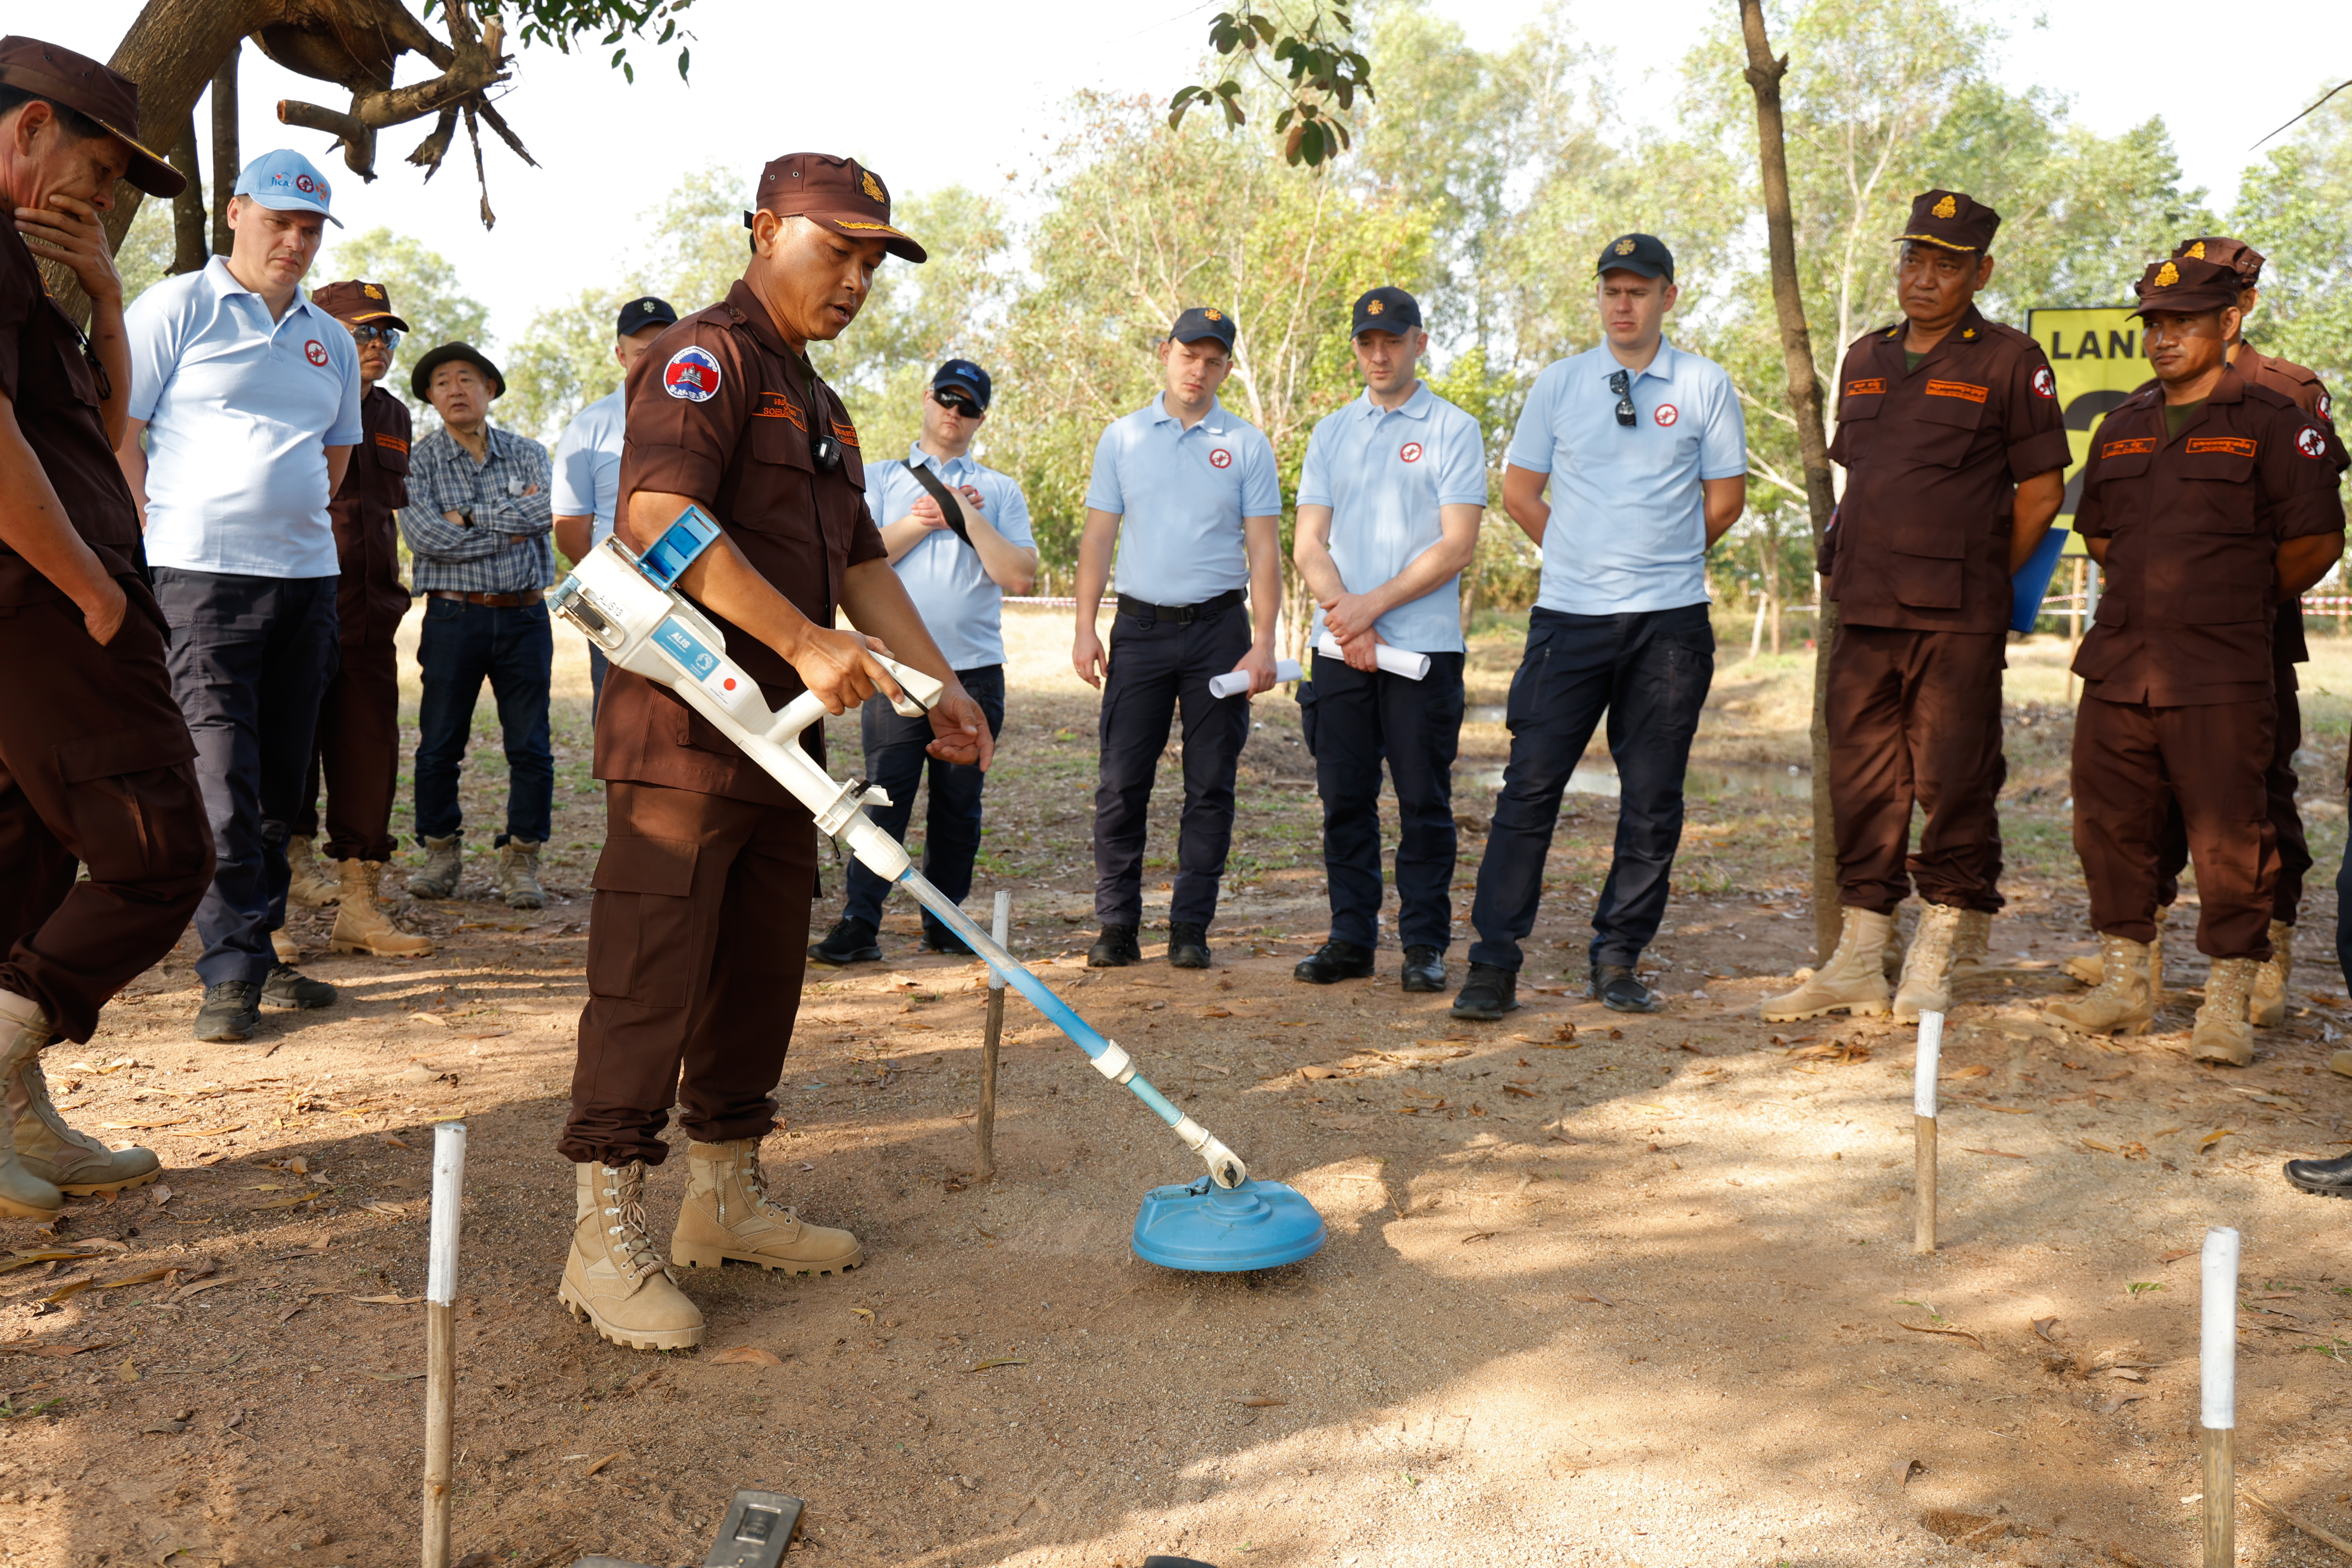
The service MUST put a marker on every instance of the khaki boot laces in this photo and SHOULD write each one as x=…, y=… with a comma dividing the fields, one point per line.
x=626, y=1206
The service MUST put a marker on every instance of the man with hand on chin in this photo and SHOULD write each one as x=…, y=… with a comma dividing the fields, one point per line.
x=1390, y=499
x=1188, y=497
x=700, y=934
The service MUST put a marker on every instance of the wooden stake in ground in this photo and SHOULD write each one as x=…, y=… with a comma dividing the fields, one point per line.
x=2217, y=1383
x=983, y=1125
x=1922, y=1126
x=441, y=1336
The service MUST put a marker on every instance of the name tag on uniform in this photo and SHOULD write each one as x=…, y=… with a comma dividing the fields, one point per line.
x=776, y=406
x=2131, y=447
x=2236, y=446
x=1956, y=389
x=1869, y=388
x=391, y=443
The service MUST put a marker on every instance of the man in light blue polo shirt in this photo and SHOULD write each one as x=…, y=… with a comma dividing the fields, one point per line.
x=1646, y=456
x=957, y=567
x=247, y=396
x=1390, y=499
x=1188, y=496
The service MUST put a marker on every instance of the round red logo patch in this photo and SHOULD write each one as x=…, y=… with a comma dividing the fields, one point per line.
x=315, y=352
x=2310, y=442
x=1666, y=414
x=2327, y=405
x=1410, y=451
x=2045, y=385
x=1221, y=459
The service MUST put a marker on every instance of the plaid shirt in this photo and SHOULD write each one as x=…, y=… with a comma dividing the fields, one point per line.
x=505, y=549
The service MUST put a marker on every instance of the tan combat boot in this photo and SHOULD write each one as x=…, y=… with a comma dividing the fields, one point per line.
x=2119, y=1003
x=2268, y=1009
x=76, y=1164
x=2223, y=1032
x=1853, y=978
x=287, y=949
x=2091, y=970
x=24, y=1194
x=614, y=1278
x=1972, y=944
x=361, y=923
x=1890, y=957
x=519, y=874
x=444, y=862
x=1927, y=965
x=308, y=887
x=726, y=1215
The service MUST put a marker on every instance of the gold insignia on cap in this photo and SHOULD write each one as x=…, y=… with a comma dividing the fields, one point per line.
x=1375, y=307
x=872, y=187
x=2166, y=276
x=1947, y=207
x=371, y=290
x=1212, y=315
x=1624, y=248
x=2196, y=250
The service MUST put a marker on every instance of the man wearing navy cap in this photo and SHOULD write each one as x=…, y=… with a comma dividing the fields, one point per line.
x=957, y=567
x=588, y=460
x=1188, y=496
x=1390, y=499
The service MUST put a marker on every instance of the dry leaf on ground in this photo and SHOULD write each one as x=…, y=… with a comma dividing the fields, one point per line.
x=1261, y=1402
x=2043, y=1325
x=600, y=1464
x=1956, y=1333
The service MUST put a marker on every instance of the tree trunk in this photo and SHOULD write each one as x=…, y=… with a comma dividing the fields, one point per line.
x=227, y=161
x=1764, y=74
x=189, y=252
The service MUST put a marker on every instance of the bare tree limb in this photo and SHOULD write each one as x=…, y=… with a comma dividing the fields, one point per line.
x=2324, y=96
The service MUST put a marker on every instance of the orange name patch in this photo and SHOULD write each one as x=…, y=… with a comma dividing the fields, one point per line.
x=391, y=443
x=776, y=406
x=2128, y=448
x=1870, y=388
x=1956, y=389
x=847, y=433
x=2236, y=446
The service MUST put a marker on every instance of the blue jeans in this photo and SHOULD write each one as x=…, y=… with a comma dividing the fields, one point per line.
x=514, y=648
x=1650, y=671
x=896, y=759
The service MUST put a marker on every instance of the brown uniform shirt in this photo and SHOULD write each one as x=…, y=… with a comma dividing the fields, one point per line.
x=370, y=598
x=2194, y=522
x=44, y=373
x=721, y=410
x=1933, y=457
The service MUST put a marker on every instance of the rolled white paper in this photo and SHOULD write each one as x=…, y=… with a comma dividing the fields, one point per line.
x=1234, y=682
x=448, y=1187
x=2217, y=1342
x=1395, y=661
x=1923, y=1066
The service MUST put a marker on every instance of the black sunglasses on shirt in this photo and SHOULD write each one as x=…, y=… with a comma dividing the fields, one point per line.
x=1622, y=384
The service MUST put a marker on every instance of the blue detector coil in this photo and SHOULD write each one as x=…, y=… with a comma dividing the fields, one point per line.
x=1210, y=1229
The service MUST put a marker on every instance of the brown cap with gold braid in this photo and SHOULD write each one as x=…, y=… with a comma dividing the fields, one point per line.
x=2234, y=253
x=1952, y=220
x=2187, y=286
x=839, y=192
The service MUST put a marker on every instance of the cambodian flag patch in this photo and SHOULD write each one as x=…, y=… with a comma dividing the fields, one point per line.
x=692, y=373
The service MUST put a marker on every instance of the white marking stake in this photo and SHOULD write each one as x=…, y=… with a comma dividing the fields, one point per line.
x=2217, y=1366
x=441, y=1335
x=1922, y=1126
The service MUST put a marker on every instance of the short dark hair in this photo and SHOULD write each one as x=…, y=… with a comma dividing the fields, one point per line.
x=77, y=124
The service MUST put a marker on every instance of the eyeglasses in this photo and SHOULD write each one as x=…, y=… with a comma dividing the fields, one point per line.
x=387, y=336
x=1622, y=384
x=956, y=403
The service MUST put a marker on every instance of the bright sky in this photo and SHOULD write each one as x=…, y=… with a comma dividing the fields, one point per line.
x=936, y=92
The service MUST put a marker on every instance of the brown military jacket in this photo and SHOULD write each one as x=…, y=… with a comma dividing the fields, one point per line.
x=1933, y=457
x=2194, y=522
x=720, y=409
x=370, y=599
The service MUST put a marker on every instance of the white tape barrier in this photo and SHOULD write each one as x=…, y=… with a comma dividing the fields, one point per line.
x=2218, y=1342
x=1234, y=682
x=448, y=1188
x=1395, y=661
x=1923, y=1068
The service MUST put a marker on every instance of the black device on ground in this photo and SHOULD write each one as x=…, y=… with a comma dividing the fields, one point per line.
x=945, y=497
x=757, y=1527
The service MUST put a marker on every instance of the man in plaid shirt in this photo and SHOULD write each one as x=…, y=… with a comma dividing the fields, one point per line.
x=477, y=521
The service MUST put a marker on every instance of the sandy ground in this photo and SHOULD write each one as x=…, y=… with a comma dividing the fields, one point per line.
x=1598, y=1290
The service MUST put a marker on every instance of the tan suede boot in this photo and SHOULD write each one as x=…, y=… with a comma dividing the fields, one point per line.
x=2119, y=1003
x=308, y=887
x=1853, y=978
x=1927, y=965
x=519, y=874
x=614, y=1278
x=726, y=1215
x=2223, y=1032
x=76, y=1164
x=24, y=1194
x=287, y=949
x=361, y=923
x=1972, y=944
x=445, y=863
x=1890, y=957
x=2268, y=1009
x=2090, y=970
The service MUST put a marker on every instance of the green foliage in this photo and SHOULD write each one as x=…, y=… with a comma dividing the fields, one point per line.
x=609, y=24
x=145, y=256
x=1312, y=68
x=2295, y=207
x=425, y=292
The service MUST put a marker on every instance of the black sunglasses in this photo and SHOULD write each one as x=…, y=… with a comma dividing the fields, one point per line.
x=1621, y=384
x=388, y=336
x=956, y=403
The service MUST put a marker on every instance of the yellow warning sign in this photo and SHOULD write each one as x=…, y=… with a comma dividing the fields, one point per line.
x=2097, y=360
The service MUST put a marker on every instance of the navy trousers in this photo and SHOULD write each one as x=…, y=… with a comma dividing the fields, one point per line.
x=1352, y=719
x=251, y=659
x=896, y=759
x=1156, y=669
x=460, y=645
x=1650, y=671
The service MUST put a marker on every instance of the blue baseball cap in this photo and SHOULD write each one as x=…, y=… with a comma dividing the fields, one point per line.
x=968, y=377
x=647, y=310
x=286, y=182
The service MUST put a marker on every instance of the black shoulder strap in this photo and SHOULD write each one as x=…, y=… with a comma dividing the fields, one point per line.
x=939, y=491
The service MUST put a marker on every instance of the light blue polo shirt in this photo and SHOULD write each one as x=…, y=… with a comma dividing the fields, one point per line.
x=1628, y=528
x=240, y=412
x=1384, y=472
x=587, y=465
x=961, y=603
x=1181, y=495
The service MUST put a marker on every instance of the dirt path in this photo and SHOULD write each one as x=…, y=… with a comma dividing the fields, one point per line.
x=1598, y=1290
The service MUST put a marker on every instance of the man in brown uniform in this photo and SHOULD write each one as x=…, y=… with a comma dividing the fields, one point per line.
x=2208, y=501
x=699, y=932
x=1954, y=449
x=94, y=757
x=358, y=751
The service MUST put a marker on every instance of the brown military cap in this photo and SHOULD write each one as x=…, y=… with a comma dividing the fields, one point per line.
x=848, y=198
x=2234, y=253
x=2187, y=286
x=89, y=89
x=357, y=304
x=1953, y=220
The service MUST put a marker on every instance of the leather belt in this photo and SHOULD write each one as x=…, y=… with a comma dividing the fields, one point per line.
x=490, y=601
x=1182, y=614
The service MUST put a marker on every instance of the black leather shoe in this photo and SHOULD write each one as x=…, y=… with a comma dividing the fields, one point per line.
x=289, y=987
x=1335, y=960
x=1619, y=989
x=1115, y=949
x=851, y=940
x=1188, y=946
x=232, y=1011
x=1424, y=969
x=2328, y=1178
x=1488, y=993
